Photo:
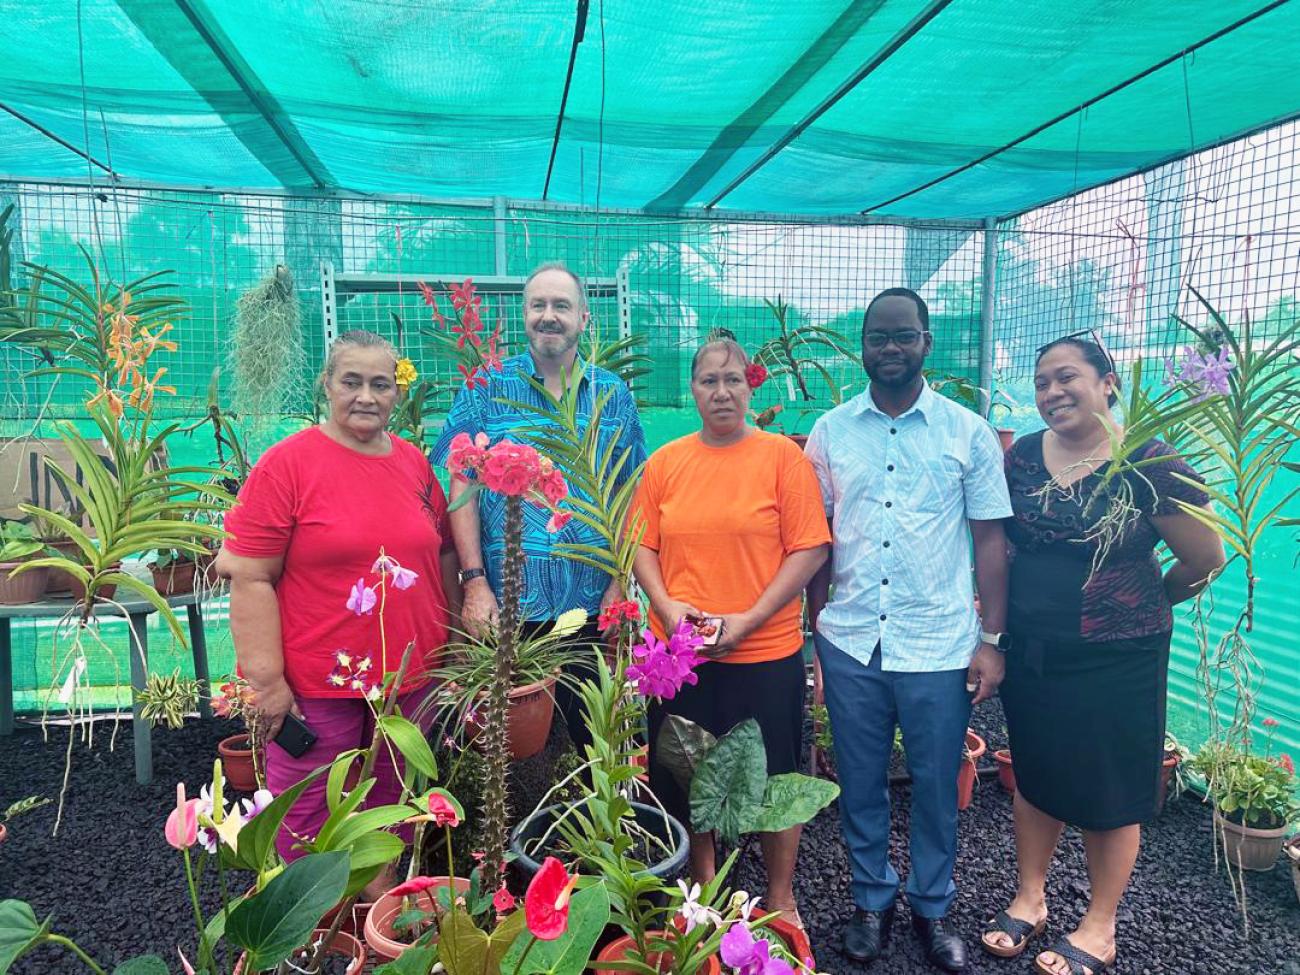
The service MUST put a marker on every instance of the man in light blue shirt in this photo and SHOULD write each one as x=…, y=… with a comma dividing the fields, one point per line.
x=908, y=479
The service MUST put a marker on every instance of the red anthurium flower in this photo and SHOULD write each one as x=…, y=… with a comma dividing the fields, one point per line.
x=415, y=886
x=546, y=905
x=502, y=901
x=443, y=812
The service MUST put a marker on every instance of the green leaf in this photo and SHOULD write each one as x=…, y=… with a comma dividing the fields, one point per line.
x=681, y=746
x=727, y=789
x=464, y=497
x=412, y=961
x=506, y=934
x=410, y=741
x=791, y=799
x=369, y=853
x=366, y=821
x=281, y=918
x=462, y=947
x=568, y=954
x=19, y=931
x=142, y=965
x=257, y=839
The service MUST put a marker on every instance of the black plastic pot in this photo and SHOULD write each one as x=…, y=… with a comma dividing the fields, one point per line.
x=648, y=818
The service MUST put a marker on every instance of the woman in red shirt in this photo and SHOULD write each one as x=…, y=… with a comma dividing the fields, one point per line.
x=305, y=538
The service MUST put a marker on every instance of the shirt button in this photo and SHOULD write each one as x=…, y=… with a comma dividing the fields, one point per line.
x=889, y=467
x=893, y=429
x=889, y=504
x=883, y=617
x=884, y=582
x=886, y=545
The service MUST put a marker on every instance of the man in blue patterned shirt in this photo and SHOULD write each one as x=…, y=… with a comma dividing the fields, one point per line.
x=555, y=316
x=909, y=480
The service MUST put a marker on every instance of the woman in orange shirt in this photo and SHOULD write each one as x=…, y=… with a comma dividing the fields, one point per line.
x=734, y=527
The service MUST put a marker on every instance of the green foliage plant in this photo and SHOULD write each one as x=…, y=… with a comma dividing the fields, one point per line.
x=796, y=351
x=168, y=698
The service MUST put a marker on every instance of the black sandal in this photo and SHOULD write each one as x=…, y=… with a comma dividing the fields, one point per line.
x=1078, y=960
x=1021, y=933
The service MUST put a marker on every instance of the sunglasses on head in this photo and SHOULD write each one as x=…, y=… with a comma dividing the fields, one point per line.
x=1087, y=333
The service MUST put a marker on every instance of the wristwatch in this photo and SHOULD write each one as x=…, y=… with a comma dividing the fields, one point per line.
x=465, y=575
x=1000, y=640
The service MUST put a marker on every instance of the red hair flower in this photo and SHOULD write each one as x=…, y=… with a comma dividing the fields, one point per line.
x=755, y=375
x=546, y=905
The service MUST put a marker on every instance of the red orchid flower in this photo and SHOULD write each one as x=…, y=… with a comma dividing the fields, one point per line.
x=472, y=376
x=546, y=905
x=463, y=296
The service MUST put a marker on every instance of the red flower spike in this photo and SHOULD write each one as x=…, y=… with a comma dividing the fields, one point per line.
x=546, y=905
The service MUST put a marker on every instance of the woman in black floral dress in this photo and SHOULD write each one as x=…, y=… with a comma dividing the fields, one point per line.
x=1084, y=693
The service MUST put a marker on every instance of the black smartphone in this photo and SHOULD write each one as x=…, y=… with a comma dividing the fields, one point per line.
x=295, y=737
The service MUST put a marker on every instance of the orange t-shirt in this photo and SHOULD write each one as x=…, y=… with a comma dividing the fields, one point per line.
x=723, y=519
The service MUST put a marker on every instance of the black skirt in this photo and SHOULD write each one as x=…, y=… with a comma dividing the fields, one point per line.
x=1087, y=727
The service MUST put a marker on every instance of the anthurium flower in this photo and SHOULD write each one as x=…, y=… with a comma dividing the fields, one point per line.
x=415, y=885
x=362, y=598
x=503, y=901
x=442, y=811
x=182, y=826
x=546, y=904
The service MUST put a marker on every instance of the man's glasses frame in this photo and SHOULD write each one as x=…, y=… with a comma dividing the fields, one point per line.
x=882, y=339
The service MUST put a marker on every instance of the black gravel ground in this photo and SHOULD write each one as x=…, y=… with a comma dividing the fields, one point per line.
x=112, y=882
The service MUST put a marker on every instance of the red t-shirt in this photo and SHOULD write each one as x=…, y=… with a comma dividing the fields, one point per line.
x=328, y=510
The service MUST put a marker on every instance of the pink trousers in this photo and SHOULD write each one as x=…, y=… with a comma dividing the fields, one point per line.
x=339, y=724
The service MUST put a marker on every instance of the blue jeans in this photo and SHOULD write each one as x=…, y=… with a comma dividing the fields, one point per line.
x=865, y=702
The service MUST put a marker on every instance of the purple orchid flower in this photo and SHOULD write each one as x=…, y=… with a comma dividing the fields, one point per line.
x=1205, y=375
x=748, y=955
x=362, y=598
x=402, y=578
x=662, y=669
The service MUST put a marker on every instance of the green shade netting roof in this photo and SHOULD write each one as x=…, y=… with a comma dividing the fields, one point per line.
x=940, y=109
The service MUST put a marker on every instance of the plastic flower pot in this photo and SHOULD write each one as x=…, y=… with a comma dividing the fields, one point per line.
x=648, y=818
x=26, y=588
x=620, y=948
x=58, y=582
x=1006, y=773
x=175, y=578
x=532, y=709
x=237, y=762
x=386, y=944
x=975, y=749
x=1248, y=847
x=355, y=922
x=343, y=945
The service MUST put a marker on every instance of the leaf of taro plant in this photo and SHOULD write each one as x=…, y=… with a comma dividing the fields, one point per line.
x=789, y=800
x=727, y=790
x=462, y=947
x=681, y=745
x=142, y=965
x=19, y=931
x=281, y=918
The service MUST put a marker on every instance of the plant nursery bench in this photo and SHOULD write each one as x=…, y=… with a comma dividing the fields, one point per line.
x=137, y=613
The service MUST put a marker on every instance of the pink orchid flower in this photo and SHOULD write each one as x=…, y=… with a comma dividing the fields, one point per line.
x=362, y=598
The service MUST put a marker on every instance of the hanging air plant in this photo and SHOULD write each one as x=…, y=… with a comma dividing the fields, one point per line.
x=267, y=347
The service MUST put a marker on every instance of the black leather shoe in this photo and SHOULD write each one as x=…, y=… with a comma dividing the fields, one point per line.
x=943, y=946
x=866, y=936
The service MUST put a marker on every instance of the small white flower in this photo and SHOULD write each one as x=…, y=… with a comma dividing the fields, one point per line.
x=692, y=911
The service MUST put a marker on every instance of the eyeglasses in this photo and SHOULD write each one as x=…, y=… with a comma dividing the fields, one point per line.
x=1086, y=333
x=904, y=338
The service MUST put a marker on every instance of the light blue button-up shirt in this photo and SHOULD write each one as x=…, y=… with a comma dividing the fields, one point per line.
x=900, y=491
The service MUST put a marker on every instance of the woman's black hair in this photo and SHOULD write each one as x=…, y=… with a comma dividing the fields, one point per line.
x=1092, y=353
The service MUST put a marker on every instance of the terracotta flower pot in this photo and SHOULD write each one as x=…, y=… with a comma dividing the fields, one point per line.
x=1248, y=847
x=344, y=945
x=1167, y=767
x=175, y=578
x=796, y=939
x=355, y=922
x=103, y=592
x=384, y=943
x=619, y=949
x=26, y=588
x=58, y=582
x=975, y=749
x=532, y=709
x=1292, y=853
x=1006, y=773
x=1006, y=438
x=237, y=762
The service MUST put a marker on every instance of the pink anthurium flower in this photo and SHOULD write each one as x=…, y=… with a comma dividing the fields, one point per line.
x=415, y=885
x=182, y=829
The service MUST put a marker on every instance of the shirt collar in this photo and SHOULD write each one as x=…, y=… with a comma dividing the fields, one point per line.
x=526, y=364
x=924, y=404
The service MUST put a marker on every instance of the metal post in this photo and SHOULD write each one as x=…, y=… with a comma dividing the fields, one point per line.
x=499, y=234
x=328, y=299
x=988, y=297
